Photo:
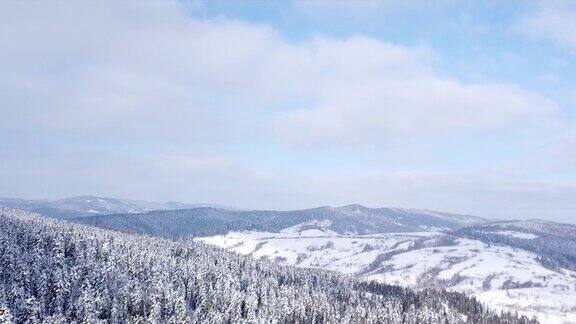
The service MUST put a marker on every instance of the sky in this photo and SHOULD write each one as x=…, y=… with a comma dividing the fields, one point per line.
x=457, y=106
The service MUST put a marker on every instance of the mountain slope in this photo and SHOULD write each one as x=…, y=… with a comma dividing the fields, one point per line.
x=525, y=266
x=498, y=273
x=82, y=206
x=54, y=271
x=351, y=219
x=554, y=243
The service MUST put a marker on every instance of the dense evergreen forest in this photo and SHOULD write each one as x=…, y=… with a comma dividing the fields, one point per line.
x=208, y=221
x=58, y=272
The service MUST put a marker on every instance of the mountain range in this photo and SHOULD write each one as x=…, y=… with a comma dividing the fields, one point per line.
x=524, y=266
x=82, y=206
x=350, y=219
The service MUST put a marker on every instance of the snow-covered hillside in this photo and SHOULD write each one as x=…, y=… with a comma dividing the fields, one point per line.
x=501, y=276
x=346, y=220
x=59, y=272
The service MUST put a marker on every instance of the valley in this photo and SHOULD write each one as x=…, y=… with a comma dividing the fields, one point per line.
x=502, y=277
x=526, y=267
x=59, y=272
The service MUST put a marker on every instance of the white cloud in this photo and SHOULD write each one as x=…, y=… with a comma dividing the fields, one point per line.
x=554, y=20
x=136, y=99
x=145, y=70
x=376, y=92
x=390, y=108
x=346, y=10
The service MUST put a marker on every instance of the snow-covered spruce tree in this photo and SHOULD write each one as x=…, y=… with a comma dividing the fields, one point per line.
x=57, y=272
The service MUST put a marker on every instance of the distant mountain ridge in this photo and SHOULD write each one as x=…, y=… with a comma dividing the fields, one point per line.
x=82, y=206
x=350, y=219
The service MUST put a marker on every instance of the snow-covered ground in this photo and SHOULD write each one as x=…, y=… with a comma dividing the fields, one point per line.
x=502, y=277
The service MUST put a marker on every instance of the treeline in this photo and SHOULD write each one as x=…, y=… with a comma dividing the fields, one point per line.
x=58, y=272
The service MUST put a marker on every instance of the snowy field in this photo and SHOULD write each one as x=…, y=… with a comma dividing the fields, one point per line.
x=502, y=277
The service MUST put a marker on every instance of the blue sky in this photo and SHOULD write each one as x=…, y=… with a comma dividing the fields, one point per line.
x=461, y=106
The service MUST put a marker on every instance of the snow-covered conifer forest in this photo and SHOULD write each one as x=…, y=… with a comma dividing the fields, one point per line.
x=53, y=271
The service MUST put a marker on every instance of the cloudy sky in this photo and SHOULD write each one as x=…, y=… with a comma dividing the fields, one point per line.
x=461, y=106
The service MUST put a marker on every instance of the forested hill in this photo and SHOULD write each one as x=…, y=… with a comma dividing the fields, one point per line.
x=351, y=219
x=554, y=243
x=82, y=206
x=58, y=272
